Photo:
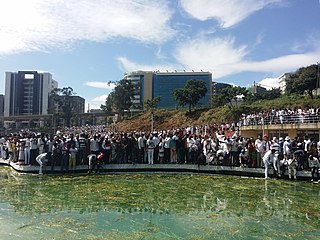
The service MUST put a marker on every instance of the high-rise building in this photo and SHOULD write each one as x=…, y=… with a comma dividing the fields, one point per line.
x=27, y=93
x=283, y=81
x=1, y=104
x=149, y=85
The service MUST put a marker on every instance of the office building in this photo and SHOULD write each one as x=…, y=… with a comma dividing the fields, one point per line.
x=283, y=81
x=27, y=93
x=149, y=85
x=76, y=103
x=1, y=104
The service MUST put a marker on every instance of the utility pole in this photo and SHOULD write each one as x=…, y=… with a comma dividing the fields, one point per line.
x=152, y=119
x=318, y=77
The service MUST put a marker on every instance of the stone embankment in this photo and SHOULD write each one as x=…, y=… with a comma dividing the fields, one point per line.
x=155, y=168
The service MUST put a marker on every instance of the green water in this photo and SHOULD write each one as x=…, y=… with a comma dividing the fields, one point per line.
x=144, y=206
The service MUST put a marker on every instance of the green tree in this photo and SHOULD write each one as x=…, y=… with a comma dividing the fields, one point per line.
x=120, y=99
x=107, y=107
x=62, y=99
x=267, y=95
x=229, y=96
x=151, y=104
x=191, y=94
x=304, y=80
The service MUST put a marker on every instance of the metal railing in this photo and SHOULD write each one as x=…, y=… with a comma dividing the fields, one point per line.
x=251, y=120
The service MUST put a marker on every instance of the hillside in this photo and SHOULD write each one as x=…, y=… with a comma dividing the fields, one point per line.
x=168, y=119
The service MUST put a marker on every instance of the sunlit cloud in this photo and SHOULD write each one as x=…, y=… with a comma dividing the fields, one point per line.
x=96, y=102
x=269, y=83
x=281, y=64
x=223, y=58
x=217, y=55
x=228, y=12
x=100, y=98
x=102, y=85
x=39, y=25
x=130, y=66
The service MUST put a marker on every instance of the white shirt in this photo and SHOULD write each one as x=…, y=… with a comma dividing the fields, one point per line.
x=141, y=142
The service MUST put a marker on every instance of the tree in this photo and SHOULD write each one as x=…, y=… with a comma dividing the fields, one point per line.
x=303, y=80
x=107, y=108
x=66, y=107
x=266, y=95
x=190, y=95
x=229, y=96
x=151, y=104
x=120, y=99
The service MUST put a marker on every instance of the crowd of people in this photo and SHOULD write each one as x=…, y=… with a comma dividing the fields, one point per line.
x=215, y=145
x=282, y=116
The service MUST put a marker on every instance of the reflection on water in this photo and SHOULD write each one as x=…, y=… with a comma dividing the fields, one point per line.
x=156, y=207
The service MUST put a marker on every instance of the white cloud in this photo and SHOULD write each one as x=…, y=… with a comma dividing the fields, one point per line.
x=103, y=85
x=228, y=12
x=223, y=58
x=100, y=98
x=217, y=55
x=280, y=64
x=270, y=83
x=43, y=24
x=130, y=66
x=96, y=102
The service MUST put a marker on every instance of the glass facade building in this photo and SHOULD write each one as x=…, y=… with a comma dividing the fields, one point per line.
x=165, y=84
x=149, y=85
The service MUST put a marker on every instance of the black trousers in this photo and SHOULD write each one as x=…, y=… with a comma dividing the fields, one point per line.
x=315, y=173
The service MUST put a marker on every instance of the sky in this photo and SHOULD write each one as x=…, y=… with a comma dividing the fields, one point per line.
x=85, y=44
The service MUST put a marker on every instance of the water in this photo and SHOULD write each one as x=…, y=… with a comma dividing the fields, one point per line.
x=144, y=206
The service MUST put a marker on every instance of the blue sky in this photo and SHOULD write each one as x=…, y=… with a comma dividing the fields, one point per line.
x=87, y=43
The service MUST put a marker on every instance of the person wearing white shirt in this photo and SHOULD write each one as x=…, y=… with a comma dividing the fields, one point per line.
x=173, y=149
x=41, y=144
x=234, y=148
x=269, y=159
x=151, y=146
x=33, y=150
x=142, y=147
x=208, y=150
x=156, y=149
x=260, y=147
x=27, y=151
x=287, y=148
x=167, y=147
x=94, y=145
x=292, y=167
x=314, y=165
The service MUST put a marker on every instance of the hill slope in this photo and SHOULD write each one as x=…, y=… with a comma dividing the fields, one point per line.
x=169, y=119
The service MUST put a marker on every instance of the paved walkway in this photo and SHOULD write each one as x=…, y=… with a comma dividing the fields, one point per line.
x=159, y=168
